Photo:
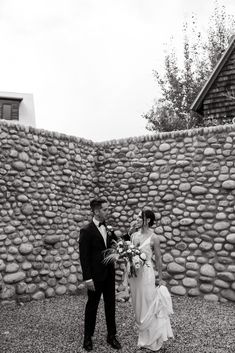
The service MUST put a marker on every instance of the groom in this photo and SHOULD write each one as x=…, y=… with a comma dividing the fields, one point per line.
x=99, y=277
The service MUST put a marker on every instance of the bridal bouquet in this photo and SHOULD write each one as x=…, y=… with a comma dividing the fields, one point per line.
x=132, y=256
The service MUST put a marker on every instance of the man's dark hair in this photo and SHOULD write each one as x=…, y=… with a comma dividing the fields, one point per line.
x=148, y=214
x=97, y=204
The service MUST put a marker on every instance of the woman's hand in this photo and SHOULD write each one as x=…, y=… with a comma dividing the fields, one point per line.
x=136, y=224
x=161, y=282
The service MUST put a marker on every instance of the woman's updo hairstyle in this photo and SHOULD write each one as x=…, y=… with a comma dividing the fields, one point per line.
x=148, y=214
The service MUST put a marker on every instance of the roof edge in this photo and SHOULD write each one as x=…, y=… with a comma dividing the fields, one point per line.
x=195, y=106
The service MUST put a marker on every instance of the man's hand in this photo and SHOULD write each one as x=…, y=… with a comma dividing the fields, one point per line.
x=90, y=285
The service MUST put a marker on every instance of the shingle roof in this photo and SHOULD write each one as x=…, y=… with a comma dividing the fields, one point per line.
x=197, y=104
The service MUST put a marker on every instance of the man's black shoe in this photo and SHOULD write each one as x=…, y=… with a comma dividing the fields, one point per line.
x=113, y=342
x=87, y=344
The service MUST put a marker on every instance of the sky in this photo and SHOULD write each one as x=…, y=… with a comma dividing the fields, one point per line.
x=89, y=63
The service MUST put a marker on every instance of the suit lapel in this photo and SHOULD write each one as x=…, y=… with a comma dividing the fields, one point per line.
x=96, y=231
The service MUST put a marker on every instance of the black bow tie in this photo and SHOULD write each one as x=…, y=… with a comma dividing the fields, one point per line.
x=102, y=224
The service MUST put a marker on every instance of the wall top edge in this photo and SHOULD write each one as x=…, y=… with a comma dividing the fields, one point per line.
x=170, y=135
x=4, y=125
x=42, y=132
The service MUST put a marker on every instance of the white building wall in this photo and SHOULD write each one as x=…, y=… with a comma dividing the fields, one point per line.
x=26, y=108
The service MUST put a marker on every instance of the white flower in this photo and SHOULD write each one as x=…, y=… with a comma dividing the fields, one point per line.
x=137, y=266
x=136, y=260
x=120, y=244
x=128, y=251
x=143, y=256
x=110, y=228
x=131, y=246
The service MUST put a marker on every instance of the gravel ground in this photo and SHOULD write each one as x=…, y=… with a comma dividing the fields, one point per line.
x=56, y=326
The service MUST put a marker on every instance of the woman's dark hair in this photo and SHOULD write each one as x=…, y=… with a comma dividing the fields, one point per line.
x=97, y=203
x=148, y=214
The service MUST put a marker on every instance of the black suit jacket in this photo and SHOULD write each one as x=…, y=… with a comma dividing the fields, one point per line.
x=92, y=252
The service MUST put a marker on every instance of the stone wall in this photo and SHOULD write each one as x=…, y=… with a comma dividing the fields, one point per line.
x=47, y=180
x=188, y=179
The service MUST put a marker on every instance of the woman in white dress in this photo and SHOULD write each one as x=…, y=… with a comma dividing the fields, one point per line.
x=152, y=305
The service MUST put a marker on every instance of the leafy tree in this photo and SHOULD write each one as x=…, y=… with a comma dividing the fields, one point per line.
x=181, y=82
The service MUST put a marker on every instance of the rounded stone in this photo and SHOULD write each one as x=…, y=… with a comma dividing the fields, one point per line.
x=50, y=293
x=192, y=266
x=221, y=225
x=211, y=297
x=167, y=258
x=228, y=294
x=180, y=260
x=26, y=266
x=164, y=147
x=2, y=265
x=12, y=250
x=209, y=151
x=32, y=287
x=72, y=278
x=181, y=246
x=72, y=288
x=11, y=268
x=184, y=187
x=14, y=277
x=25, y=248
x=22, y=198
x=173, y=267
x=206, y=288
x=205, y=246
x=38, y=296
x=231, y=238
x=7, y=292
x=221, y=216
x=9, y=229
x=221, y=284
x=61, y=290
x=189, y=282
x=228, y=184
x=21, y=288
x=193, y=292
x=207, y=270
x=231, y=268
x=52, y=239
x=186, y=221
x=132, y=201
x=50, y=214
x=154, y=176
x=226, y=276
x=19, y=165
x=198, y=190
x=178, y=290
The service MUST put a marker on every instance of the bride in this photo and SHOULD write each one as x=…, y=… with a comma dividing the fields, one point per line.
x=152, y=305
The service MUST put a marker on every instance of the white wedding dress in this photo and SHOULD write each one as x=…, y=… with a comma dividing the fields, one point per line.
x=152, y=305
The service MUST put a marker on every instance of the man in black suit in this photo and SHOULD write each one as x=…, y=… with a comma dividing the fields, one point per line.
x=99, y=277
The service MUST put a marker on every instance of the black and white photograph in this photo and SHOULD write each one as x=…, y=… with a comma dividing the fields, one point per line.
x=117, y=176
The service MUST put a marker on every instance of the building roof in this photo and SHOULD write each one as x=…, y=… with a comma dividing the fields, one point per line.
x=18, y=99
x=197, y=104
